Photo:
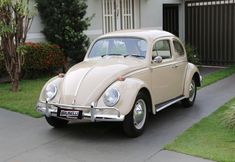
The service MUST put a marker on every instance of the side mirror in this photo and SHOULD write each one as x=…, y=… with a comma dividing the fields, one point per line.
x=157, y=59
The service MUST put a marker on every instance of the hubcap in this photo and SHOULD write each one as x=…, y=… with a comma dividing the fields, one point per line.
x=192, y=91
x=139, y=113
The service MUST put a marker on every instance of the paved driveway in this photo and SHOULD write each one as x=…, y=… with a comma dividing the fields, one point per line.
x=24, y=139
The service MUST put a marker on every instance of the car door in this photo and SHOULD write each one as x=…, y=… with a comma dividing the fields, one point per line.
x=179, y=54
x=164, y=85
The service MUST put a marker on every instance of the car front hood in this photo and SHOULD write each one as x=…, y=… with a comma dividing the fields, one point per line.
x=86, y=81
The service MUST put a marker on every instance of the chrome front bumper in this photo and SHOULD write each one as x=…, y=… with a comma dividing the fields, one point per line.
x=88, y=112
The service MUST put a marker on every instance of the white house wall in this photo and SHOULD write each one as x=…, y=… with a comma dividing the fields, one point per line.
x=151, y=16
x=150, y=13
x=95, y=9
x=35, y=33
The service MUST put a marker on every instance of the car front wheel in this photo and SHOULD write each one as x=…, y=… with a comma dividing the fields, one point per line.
x=135, y=121
x=188, y=102
x=56, y=122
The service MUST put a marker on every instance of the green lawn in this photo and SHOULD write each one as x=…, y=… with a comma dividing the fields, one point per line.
x=217, y=75
x=25, y=100
x=209, y=138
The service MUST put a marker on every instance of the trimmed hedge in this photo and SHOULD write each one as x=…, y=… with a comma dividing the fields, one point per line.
x=42, y=56
x=39, y=59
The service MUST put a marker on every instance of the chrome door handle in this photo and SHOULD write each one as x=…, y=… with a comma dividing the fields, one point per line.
x=174, y=66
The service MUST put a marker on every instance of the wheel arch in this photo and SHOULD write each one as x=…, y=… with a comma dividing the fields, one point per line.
x=192, y=73
x=150, y=103
x=197, y=80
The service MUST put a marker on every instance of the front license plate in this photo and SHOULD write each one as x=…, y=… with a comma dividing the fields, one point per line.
x=69, y=113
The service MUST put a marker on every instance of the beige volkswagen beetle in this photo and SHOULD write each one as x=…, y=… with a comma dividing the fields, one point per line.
x=125, y=76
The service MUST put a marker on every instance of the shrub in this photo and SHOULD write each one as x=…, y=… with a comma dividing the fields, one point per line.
x=2, y=66
x=192, y=54
x=41, y=58
x=64, y=23
x=229, y=117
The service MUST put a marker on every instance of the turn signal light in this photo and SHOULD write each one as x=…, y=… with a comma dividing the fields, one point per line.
x=121, y=78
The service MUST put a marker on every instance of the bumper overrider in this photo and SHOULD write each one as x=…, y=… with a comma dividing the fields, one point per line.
x=91, y=112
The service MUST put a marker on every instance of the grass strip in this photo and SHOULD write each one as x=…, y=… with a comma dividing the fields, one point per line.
x=217, y=75
x=25, y=100
x=208, y=139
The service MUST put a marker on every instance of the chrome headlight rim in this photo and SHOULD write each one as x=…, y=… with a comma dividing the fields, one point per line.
x=115, y=101
x=52, y=96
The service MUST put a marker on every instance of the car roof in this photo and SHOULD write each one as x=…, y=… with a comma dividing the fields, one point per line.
x=141, y=33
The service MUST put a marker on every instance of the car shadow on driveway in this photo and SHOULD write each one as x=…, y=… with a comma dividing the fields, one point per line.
x=109, y=131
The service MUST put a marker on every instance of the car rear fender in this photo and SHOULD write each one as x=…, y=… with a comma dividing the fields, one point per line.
x=192, y=71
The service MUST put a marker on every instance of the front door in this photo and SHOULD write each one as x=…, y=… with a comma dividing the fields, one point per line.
x=171, y=18
x=163, y=82
x=117, y=15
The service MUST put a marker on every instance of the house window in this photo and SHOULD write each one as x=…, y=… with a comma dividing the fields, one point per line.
x=117, y=15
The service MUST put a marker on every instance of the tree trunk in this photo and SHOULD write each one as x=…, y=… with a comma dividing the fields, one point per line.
x=15, y=85
x=14, y=27
x=15, y=78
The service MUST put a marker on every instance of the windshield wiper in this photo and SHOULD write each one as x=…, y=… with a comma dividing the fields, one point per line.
x=112, y=54
x=135, y=55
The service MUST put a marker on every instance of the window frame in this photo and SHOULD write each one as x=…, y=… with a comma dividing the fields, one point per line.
x=175, y=50
x=170, y=48
x=117, y=37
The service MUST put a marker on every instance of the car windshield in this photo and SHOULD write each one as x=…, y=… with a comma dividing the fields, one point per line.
x=133, y=47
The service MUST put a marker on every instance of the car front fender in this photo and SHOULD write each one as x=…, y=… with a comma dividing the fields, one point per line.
x=128, y=89
x=55, y=80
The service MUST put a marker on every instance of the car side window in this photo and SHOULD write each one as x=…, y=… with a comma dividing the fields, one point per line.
x=178, y=48
x=162, y=48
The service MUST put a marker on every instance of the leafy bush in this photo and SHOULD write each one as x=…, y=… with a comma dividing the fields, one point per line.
x=39, y=59
x=2, y=66
x=192, y=54
x=64, y=23
x=229, y=118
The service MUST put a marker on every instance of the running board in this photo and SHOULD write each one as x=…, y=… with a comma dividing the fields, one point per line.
x=164, y=105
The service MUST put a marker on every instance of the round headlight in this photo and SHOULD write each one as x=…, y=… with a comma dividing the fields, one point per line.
x=111, y=97
x=50, y=92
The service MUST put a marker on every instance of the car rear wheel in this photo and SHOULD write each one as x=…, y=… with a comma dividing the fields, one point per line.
x=188, y=102
x=135, y=121
x=56, y=122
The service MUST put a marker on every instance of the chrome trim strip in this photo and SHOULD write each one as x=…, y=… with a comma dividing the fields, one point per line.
x=164, y=64
x=104, y=117
x=170, y=103
x=92, y=111
x=79, y=84
x=136, y=71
